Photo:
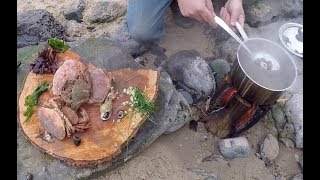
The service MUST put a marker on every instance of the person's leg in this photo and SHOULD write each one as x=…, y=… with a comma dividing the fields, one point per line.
x=145, y=19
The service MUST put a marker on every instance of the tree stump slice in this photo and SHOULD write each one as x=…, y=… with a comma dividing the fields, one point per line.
x=104, y=139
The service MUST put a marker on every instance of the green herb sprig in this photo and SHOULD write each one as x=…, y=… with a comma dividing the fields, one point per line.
x=32, y=100
x=58, y=44
x=141, y=102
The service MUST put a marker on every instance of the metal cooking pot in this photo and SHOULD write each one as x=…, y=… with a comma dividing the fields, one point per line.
x=264, y=78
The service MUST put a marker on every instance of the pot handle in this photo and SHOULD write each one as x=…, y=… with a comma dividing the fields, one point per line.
x=241, y=31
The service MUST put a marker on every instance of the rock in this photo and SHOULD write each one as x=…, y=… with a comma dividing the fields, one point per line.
x=269, y=149
x=102, y=52
x=294, y=112
x=106, y=11
x=300, y=161
x=220, y=67
x=298, y=176
x=141, y=60
x=234, y=147
x=263, y=12
x=190, y=72
x=174, y=112
x=292, y=8
x=36, y=26
x=73, y=28
x=186, y=95
x=123, y=39
x=29, y=176
x=228, y=50
x=75, y=10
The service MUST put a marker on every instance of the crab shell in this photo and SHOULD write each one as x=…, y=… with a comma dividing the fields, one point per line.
x=70, y=69
x=100, y=85
x=52, y=122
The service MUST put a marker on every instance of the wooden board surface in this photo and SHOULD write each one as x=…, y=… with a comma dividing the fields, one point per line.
x=104, y=139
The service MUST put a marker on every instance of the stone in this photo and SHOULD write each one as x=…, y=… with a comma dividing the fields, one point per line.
x=35, y=26
x=141, y=60
x=294, y=112
x=298, y=176
x=190, y=72
x=269, y=149
x=234, y=147
x=186, y=95
x=221, y=67
x=106, y=11
x=73, y=28
x=75, y=10
x=102, y=52
x=123, y=39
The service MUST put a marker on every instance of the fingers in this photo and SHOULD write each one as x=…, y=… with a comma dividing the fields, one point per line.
x=241, y=19
x=209, y=6
x=234, y=16
x=208, y=17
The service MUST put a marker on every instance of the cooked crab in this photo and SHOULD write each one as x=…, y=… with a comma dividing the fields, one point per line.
x=60, y=120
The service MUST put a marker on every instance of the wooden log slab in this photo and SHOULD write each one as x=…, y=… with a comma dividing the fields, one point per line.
x=104, y=139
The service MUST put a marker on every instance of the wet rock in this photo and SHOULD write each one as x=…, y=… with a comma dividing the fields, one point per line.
x=298, y=176
x=103, y=52
x=75, y=10
x=190, y=72
x=294, y=112
x=269, y=149
x=106, y=11
x=234, y=147
x=36, y=26
x=73, y=29
x=221, y=67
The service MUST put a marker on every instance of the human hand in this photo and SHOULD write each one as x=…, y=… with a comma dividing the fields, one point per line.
x=201, y=10
x=233, y=12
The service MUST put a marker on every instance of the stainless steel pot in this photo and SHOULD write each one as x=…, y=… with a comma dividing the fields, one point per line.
x=264, y=79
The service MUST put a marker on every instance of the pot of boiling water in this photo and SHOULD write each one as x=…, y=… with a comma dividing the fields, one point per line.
x=263, y=77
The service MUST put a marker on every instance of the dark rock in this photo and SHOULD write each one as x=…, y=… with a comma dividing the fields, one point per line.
x=292, y=8
x=262, y=12
x=234, y=147
x=193, y=125
x=106, y=11
x=191, y=73
x=221, y=67
x=269, y=149
x=74, y=12
x=36, y=26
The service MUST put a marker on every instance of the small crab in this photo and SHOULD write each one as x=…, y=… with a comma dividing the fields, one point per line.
x=106, y=106
x=60, y=120
x=76, y=91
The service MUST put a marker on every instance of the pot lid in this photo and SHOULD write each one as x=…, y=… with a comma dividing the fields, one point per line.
x=291, y=36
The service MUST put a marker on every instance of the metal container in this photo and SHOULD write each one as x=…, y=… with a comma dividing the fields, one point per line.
x=291, y=36
x=263, y=78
